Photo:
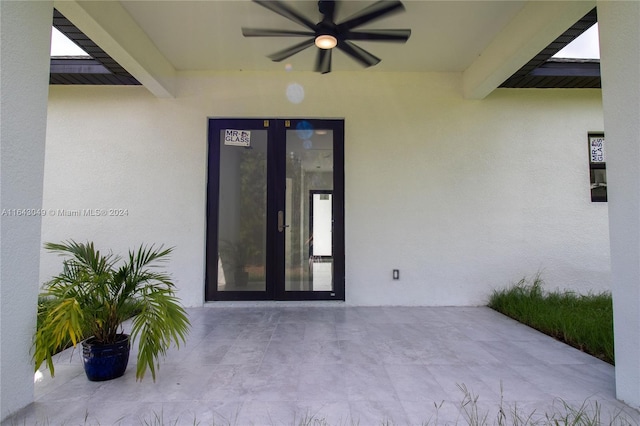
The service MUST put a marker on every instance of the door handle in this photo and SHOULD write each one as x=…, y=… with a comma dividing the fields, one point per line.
x=281, y=224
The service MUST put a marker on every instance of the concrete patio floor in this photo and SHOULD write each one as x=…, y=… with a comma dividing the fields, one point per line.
x=331, y=364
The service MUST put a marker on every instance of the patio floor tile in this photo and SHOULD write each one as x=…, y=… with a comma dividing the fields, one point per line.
x=325, y=365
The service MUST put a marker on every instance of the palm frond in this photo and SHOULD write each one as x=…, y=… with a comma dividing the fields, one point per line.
x=62, y=324
x=161, y=322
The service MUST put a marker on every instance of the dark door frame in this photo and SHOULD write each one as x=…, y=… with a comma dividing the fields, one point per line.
x=276, y=178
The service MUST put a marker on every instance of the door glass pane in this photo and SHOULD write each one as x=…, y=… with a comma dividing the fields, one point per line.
x=243, y=210
x=308, y=209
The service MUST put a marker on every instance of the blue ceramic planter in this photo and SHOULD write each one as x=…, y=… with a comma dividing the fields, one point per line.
x=105, y=362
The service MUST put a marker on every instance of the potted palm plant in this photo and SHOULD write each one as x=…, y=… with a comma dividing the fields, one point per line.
x=92, y=297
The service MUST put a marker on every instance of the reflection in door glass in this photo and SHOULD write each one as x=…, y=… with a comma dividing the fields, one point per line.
x=242, y=215
x=321, y=251
x=308, y=210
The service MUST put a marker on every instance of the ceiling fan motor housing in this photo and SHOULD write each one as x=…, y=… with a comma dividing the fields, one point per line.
x=327, y=8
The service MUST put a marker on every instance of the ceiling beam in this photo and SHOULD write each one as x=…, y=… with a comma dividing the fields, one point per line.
x=109, y=25
x=537, y=25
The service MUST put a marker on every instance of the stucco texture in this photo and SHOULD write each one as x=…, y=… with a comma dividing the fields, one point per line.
x=25, y=40
x=462, y=196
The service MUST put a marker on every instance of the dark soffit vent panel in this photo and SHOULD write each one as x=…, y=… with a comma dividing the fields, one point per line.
x=544, y=71
x=99, y=69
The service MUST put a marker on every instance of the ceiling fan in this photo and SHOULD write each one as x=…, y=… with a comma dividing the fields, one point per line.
x=327, y=34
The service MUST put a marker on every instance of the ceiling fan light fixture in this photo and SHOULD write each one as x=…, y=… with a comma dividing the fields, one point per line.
x=326, y=41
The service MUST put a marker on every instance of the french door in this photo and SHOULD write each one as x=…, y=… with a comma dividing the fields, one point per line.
x=275, y=210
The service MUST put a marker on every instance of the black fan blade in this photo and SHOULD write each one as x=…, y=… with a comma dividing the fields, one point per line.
x=371, y=13
x=323, y=61
x=287, y=11
x=399, y=36
x=358, y=53
x=290, y=51
x=266, y=32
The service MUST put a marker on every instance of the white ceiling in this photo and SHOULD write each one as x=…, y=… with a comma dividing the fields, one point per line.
x=485, y=41
x=206, y=35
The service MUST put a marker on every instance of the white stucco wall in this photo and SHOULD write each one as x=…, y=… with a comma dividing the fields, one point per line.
x=619, y=44
x=24, y=69
x=461, y=196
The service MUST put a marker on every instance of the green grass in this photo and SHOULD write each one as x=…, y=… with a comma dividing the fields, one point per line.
x=582, y=321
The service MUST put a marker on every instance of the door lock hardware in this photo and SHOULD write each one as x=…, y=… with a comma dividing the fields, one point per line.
x=281, y=224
